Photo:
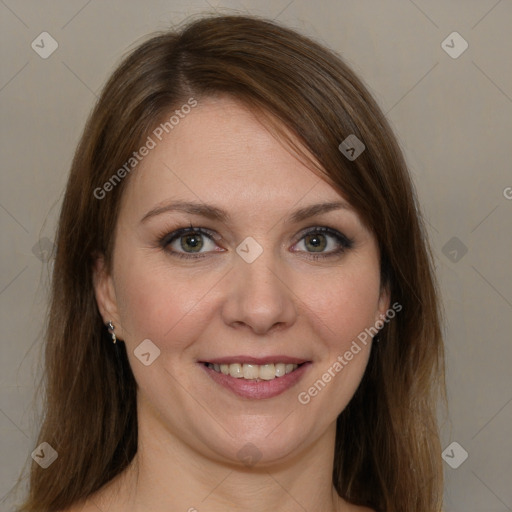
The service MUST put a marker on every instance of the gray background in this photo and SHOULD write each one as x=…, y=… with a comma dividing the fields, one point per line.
x=453, y=117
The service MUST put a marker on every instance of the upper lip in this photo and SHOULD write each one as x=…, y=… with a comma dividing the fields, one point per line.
x=255, y=360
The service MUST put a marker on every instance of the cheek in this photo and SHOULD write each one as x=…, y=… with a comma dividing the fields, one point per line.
x=344, y=304
x=157, y=303
x=340, y=316
x=171, y=305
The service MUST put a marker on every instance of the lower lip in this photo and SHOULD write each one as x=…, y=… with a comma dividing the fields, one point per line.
x=261, y=389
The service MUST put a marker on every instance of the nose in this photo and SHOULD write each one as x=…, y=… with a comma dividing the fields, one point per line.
x=259, y=298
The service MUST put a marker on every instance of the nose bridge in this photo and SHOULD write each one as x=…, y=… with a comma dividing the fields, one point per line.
x=258, y=297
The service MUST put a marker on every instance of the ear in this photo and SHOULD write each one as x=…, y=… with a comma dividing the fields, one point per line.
x=106, y=296
x=384, y=302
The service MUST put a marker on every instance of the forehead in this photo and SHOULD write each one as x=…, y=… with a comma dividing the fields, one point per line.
x=221, y=152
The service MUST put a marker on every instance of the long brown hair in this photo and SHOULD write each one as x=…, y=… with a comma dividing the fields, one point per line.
x=387, y=453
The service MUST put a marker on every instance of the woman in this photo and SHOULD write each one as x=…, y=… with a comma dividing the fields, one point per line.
x=244, y=314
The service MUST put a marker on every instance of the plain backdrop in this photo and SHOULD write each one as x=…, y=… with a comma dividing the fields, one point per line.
x=451, y=108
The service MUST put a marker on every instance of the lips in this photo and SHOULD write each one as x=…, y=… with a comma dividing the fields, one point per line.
x=256, y=378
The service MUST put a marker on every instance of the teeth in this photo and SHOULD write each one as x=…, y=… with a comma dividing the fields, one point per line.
x=267, y=372
x=251, y=371
x=281, y=369
x=254, y=371
x=235, y=370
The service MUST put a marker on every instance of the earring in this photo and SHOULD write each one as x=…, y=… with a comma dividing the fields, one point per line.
x=110, y=328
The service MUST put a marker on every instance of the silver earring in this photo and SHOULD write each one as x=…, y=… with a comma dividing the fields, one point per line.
x=110, y=328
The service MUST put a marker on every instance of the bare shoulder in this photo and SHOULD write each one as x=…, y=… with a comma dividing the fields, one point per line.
x=93, y=503
x=108, y=498
x=76, y=508
x=86, y=506
x=359, y=508
x=345, y=506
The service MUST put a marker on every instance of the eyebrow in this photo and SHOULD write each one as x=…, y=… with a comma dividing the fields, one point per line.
x=214, y=213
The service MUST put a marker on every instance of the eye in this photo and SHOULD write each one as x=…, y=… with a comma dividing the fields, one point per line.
x=323, y=242
x=189, y=242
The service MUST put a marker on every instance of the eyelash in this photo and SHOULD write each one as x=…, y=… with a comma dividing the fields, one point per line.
x=344, y=242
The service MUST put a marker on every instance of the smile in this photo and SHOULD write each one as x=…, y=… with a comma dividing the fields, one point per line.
x=254, y=372
x=246, y=378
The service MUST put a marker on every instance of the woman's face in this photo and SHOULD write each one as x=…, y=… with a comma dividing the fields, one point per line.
x=267, y=278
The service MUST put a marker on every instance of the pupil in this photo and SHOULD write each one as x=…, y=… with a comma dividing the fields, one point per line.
x=192, y=241
x=316, y=242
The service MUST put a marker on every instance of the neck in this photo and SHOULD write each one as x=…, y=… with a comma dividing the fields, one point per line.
x=166, y=474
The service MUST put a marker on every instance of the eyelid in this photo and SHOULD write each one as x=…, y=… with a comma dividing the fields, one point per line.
x=329, y=231
x=170, y=237
x=343, y=241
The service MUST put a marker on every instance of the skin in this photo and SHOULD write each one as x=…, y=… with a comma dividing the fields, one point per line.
x=190, y=428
